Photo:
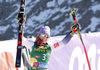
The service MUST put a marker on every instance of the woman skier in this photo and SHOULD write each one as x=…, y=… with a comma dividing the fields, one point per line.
x=38, y=58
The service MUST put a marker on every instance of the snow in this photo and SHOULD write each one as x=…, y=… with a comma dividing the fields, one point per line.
x=75, y=1
x=29, y=22
x=92, y=0
x=94, y=22
x=51, y=4
x=95, y=8
x=54, y=3
x=63, y=9
x=30, y=5
x=60, y=27
x=56, y=17
x=98, y=29
x=27, y=2
x=52, y=8
x=10, y=15
x=60, y=1
x=33, y=30
x=44, y=15
x=79, y=16
x=1, y=0
x=3, y=28
x=7, y=0
x=15, y=25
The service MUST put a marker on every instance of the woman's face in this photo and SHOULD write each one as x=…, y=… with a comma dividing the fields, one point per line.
x=44, y=37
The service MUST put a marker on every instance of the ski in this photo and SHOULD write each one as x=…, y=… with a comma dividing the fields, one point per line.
x=21, y=24
x=75, y=20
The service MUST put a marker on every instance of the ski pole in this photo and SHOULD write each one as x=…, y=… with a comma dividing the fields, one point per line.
x=75, y=20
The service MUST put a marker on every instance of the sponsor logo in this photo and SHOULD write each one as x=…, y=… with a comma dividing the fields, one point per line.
x=42, y=47
x=43, y=65
x=36, y=64
x=56, y=45
x=37, y=56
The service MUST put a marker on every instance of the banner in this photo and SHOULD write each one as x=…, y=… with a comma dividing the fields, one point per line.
x=69, y=57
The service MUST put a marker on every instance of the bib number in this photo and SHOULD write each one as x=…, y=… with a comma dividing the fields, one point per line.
x=44, y=57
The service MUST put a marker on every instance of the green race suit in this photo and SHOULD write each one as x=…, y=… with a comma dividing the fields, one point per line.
x=40, y=54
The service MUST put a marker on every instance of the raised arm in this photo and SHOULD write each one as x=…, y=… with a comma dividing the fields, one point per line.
x=67, y=38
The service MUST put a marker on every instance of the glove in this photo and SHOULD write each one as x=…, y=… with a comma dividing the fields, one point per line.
x=74, y=28
x=20, y=16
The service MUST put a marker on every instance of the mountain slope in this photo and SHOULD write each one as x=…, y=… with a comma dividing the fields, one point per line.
x=54, y=13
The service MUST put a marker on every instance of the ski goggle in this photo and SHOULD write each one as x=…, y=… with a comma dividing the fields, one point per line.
x=44, y=35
